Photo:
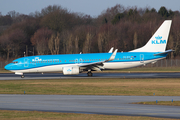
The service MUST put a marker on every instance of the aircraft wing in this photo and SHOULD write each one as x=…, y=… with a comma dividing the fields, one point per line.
x=98, y=65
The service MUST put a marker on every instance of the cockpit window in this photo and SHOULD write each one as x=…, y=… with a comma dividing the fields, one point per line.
x=15, y=62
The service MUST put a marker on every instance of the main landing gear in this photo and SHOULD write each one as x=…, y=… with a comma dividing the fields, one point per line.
x=89, y=74
x=22, y=76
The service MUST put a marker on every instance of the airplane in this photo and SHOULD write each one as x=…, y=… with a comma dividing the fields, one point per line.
x=74, y=64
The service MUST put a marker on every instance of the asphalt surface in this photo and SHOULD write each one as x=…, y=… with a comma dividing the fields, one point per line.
x=108, y=105
x=12, y=76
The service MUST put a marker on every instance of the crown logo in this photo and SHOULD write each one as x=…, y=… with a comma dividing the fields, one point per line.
x=158, y=37
x=69, y=70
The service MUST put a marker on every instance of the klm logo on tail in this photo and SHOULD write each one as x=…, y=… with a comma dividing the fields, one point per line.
x=158, y=40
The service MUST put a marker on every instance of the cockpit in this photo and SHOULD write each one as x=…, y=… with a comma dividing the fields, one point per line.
x=15, y=62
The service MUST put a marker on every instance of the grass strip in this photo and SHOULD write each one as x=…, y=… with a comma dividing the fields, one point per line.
x=2, y=70
x=36, y=115
x=169, y=103
x=110, y=86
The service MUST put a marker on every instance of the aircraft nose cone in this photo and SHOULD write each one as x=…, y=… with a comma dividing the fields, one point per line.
x=7, y=67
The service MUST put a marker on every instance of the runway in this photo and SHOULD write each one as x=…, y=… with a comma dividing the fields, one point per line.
x=28, y=76
x=108, y=105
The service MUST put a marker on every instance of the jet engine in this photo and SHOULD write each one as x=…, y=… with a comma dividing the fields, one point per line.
x=71, y=70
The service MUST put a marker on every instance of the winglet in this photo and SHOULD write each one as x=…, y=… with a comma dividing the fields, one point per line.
x=111, y=50
x=113, y=55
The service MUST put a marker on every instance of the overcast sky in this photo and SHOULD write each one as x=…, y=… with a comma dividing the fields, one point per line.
x=90, y=7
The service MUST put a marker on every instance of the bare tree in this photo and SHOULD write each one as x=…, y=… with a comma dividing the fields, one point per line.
x=6, y=44
x=87, y=44
x=70, y=45
x=54, y=43
x=76, y=44
x=100, y=41
x=135, y=41
x=13, y=42
x=18, y=37
x=67, y=40
x=13, y=14
x=40, y=40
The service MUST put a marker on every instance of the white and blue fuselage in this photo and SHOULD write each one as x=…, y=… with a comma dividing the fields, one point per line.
x=55, y=63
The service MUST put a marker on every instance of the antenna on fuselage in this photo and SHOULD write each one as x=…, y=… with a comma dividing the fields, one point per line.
x=24, y=54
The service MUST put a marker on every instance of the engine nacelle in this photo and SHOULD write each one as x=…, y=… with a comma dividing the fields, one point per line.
x=71, y=70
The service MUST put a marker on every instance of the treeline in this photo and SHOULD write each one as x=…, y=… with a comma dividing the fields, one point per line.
x=56, y=30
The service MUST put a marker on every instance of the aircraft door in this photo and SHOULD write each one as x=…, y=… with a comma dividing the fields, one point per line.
x=141, y=58
x=26, y=64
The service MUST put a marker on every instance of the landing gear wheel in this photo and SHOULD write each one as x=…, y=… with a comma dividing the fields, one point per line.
x=89, y=74
x=22, y=76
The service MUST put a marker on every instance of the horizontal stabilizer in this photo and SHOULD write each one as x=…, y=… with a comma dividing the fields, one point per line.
x=167, y=51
